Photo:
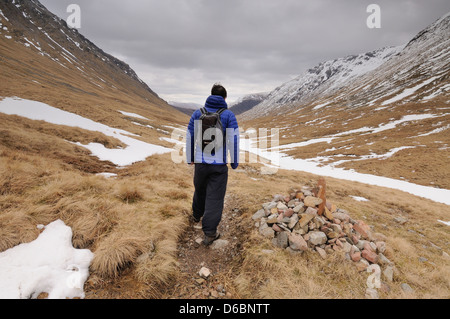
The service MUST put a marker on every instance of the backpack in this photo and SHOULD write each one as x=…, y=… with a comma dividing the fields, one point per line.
x=211, y=121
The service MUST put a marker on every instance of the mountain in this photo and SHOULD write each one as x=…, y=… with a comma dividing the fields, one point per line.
x=324, y=79
x=384, y=113
x=43, y=59
x=370, y=78
x=186, y=108
x=247, y=102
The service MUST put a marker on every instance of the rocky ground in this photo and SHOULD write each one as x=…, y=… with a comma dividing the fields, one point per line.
x=206, y=271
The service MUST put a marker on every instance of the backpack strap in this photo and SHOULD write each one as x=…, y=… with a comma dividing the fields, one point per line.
x=203, y=110
x=221, y=111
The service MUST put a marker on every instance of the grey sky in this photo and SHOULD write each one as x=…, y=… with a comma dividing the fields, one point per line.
x=181, y=47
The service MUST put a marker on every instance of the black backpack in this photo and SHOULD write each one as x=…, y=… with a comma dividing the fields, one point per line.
x=211, y=121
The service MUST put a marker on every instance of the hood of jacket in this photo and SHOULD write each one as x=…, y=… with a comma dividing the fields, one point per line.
x=215, y=102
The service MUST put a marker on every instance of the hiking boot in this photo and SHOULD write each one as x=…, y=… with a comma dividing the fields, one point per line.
x=210, y=239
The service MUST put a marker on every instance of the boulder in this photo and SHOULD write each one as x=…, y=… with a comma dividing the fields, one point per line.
x=317, y=238
x=296, y=242
x=312, y=201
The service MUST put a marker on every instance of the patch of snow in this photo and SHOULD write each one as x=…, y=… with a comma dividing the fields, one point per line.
x=133, y=115
x=435, y=131
x=359, y=198
x=273, y=160
x=107, y=175
x=48, y=264
x=408, y=92
x=135, y=151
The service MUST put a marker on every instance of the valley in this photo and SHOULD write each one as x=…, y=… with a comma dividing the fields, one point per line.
x=85, y=141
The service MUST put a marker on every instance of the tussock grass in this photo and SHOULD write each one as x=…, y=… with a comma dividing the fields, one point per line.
x=122, y=220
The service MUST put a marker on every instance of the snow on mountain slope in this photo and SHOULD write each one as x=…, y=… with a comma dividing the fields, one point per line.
x=418, y=71
x=247, y=102
x=324, y=79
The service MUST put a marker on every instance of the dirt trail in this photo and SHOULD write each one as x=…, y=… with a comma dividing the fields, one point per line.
x=192, y=256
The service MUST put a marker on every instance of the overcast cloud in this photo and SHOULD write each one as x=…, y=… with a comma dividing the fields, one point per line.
x=181, y=47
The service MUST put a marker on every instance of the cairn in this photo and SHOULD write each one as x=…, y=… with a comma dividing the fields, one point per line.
x=306, y=221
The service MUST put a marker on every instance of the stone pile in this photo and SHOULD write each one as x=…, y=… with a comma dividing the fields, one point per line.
x=306, y=221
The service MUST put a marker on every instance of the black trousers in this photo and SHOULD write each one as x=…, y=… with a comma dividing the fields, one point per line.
x=210, y=183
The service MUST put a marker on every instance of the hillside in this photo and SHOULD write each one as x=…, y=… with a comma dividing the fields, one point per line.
x=42, y=59
x=389, y=118
x=247, y=103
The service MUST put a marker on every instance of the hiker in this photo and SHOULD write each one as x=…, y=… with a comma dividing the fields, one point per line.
x=210, y=158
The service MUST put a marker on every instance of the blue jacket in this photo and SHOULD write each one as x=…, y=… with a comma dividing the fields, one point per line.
x=231, y=136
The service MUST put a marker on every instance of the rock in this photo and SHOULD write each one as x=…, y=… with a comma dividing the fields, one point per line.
x=273, y=211
x=401, y=220
x=296, y=242
x=337, y=228
x=379, y=237
x=305, y=219
x=327, y=213
x=332, y=235
x=361, y=243
x=294, y=252
x=286, y=220
x=293, y=221
x=219, y=244
x=299, y=208
x=204, y=272
x=367, y=245
x=356, y=256
x=307, y=192
x=341, y=216
x=268, y=206
x=311, y=211
x=363, y=229
x=317, y=238
x=299, y=195
x=278, y=198
x=406, y=288
x=276, y=228
x=282, y=240
x=289, y=212
x=291, y=203
x=321, y=252
x=381, y=246
x=200, y=281
x=370, y=256
x=272, y=219
x=388, y=273
x=312, y=201
x=259, y=214
x=266, y=231
x=362, y=265
x=346, y=247
x=382, y=260
x=319, y=221
x=281, y=206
